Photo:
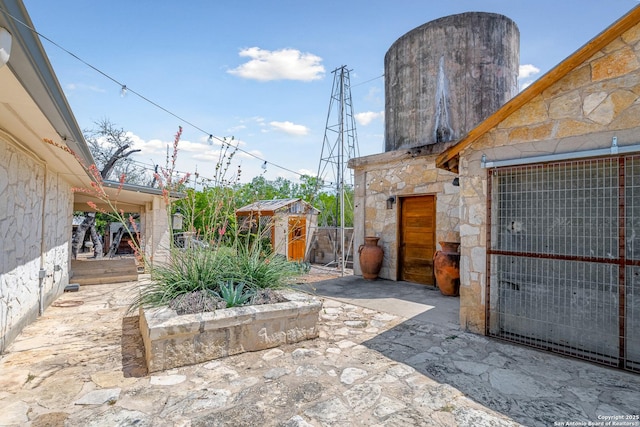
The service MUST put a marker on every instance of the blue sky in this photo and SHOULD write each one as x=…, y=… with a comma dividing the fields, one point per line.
x=261, y=71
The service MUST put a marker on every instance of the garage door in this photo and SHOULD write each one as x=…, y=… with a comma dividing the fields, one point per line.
x=564, y=269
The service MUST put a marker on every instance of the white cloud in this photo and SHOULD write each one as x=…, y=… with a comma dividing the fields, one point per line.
x=290, y=128
x=82, y=86
x=525, y=85
x=237, y=128
x=368, y=116
x=283, y=64
x=527, y=70
x=209, y=155
x=374, y=94
x=307, y=172
x=231, y=169
x=157, y=148
x=148, y=148
x=188, y=146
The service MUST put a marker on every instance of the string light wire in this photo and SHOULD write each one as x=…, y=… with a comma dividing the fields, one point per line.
x=126, y=89
x=367, y=81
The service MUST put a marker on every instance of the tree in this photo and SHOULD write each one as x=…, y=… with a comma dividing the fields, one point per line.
x=111, y=148
x=329, y=206
x=308, y=188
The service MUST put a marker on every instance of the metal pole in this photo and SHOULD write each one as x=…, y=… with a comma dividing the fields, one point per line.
x=341, y=168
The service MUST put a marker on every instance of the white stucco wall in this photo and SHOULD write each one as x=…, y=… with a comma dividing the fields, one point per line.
x=156, y=236
x=281, y=226
x=35, y=230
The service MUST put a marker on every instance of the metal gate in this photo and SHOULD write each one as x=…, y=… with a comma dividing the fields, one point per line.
x=564, y=258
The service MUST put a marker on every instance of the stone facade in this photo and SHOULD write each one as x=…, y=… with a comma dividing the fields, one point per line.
x=326, y=240
x=399, y=173
x=584, y=110
x=35, y=229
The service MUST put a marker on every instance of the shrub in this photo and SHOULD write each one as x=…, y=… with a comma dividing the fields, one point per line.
x=223, y=271
x=263, y=270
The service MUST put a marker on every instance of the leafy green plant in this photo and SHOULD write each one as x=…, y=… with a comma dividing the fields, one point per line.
x=189, y=270
x=235, y=295
x=261, y=269
x=212, y=269
x=302, y=267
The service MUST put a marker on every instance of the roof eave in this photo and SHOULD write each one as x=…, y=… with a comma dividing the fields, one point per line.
x=30, y=64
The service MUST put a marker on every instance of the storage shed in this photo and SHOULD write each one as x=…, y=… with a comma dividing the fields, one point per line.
x=288, y=223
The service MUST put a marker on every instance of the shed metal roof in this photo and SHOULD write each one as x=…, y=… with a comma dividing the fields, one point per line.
x=272, y=206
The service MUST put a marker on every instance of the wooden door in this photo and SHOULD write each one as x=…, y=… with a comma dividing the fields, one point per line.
x=417, y=239
x=297, y=241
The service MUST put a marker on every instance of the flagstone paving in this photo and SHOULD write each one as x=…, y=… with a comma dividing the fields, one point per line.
x=81, y=364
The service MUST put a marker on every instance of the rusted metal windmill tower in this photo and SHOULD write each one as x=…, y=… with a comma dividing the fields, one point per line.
x=340, y=144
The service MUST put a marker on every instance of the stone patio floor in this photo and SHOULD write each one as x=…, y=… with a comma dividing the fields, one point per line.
x=81, y=364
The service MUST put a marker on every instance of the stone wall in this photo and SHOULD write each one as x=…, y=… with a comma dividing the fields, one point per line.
x=584, y=110
x=399, y=173
x=325, y=240
x=35, y=230
x=172, y=340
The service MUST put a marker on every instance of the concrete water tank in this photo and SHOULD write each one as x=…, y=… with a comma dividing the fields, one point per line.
x=446, y=76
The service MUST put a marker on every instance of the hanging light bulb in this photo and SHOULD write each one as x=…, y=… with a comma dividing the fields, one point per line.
x=123, y=91
x=5, y=46
x=210, y=140
x=264, y=165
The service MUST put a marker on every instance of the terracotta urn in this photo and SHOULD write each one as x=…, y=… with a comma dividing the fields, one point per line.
x=446, y=266
x=370, y=258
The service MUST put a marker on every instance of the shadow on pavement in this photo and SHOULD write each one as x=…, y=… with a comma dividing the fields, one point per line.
x=409, y=300
x=133, y=362
x=531, y=387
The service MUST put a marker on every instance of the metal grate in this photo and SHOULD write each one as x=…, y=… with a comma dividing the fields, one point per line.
x=631, y=296
x=563, y=261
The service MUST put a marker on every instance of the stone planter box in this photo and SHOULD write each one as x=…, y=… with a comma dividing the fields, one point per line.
x=172, y=340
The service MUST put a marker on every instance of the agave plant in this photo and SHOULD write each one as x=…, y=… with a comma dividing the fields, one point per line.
x=235, y=295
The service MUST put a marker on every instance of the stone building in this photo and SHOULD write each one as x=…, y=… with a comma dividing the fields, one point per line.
x=547, y=203
x=549, y=198
x=441, y=79
x=36, y=180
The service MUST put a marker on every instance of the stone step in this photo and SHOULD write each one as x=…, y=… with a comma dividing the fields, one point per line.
x=103, y=280
x=102, y=271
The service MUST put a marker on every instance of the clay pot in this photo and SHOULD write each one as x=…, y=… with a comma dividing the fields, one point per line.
x=370, y=258
x=446, y=266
